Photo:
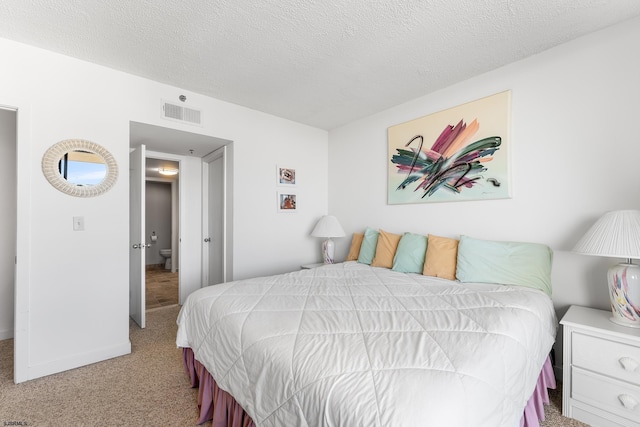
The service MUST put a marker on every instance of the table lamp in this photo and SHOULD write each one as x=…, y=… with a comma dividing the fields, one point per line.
x=328, y=227
x=617, y=235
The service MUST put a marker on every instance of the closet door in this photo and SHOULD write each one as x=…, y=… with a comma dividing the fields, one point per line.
x=214, y=218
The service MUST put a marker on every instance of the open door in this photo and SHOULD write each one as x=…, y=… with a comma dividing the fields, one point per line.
x=137, y=244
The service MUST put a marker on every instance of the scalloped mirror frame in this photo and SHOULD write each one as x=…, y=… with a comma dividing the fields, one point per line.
x=50, y=167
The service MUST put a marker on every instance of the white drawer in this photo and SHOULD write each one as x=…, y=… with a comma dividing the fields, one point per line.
x=616, y=397
x=606, y=357
x=595, y=417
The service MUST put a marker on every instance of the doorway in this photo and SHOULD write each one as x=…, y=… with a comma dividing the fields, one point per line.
x=154, y=230
x=161, y=226
x=188, y=150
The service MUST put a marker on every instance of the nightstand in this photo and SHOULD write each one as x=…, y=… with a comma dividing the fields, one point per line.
x=601, y=369
x=314, y=265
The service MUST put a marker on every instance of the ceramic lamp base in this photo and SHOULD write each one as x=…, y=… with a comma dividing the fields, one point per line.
x=624, y=291
x=328, y=251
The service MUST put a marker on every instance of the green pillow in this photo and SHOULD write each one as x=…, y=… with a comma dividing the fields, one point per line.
x=410, y=254
x=368, y=247
x=507, y=263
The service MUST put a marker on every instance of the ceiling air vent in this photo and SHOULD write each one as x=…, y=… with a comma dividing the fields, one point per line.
x=180, y=113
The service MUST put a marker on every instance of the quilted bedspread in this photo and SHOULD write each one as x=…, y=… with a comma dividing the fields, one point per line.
x=353, y=345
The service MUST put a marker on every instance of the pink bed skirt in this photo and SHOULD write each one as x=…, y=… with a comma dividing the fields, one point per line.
x=215, y=404
x=534, y=411
x=218, y=406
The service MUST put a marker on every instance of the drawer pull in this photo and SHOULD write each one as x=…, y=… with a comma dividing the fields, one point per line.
x=627, y=401
x=629, y=364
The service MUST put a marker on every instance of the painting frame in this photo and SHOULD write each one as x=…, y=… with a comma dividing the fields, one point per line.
x=458, y=154
x=285, y=176
x=287, y=202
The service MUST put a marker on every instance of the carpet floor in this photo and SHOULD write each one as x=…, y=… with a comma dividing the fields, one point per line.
x=147, y=387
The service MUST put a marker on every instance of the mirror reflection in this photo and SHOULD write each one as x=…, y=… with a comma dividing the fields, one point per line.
x=82, y=168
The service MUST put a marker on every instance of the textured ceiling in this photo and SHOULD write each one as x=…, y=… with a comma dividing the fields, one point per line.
x=319, y=62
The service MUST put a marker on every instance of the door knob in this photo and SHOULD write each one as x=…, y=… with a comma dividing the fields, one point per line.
x=141, y=246
x=207, y=239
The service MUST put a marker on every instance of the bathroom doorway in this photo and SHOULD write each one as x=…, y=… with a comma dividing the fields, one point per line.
x=155, y=224
x=161, y=227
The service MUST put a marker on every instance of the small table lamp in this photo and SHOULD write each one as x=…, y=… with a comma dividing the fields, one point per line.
x=617, y=235
x=328, y=226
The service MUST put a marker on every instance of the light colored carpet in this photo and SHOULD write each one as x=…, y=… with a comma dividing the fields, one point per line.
x=147, y=387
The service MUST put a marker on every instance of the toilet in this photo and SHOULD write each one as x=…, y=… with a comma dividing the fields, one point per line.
x=166, y=254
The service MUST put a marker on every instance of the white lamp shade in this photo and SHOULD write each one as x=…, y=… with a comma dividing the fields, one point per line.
x=328, y=226
x=616, y=234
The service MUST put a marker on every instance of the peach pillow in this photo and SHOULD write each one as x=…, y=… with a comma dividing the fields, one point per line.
x=441, y=256
x=386, y=249
x=356, y=242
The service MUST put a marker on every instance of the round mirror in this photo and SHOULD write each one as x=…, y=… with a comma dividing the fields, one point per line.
x=80, y=168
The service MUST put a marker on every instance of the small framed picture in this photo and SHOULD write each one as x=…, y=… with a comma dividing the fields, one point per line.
x=287, y=202
x=286, y=176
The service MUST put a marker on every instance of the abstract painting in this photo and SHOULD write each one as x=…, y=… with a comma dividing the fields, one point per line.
x=452, y=155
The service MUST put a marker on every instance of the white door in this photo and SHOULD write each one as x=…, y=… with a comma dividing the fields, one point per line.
x=137, y=244
x=214, y=218
x=22, y=332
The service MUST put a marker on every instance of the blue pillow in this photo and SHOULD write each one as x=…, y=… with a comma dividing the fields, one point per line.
x=507, y=263
x=368, y=247
x=410, y=254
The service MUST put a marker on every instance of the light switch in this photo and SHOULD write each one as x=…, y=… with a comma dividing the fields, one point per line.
x=78, y=223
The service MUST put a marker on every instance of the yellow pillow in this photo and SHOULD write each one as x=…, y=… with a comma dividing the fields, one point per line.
x=385, y=249
x=356, y=242
x=441, y=256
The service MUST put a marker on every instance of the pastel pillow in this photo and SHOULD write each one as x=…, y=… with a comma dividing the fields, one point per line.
x=368, y=247
x=508, y=263
x=385, y=249
x=440, y=258
x=410, y=254
x=356, y=242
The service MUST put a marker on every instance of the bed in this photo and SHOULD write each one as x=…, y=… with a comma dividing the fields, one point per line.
x=352, y=344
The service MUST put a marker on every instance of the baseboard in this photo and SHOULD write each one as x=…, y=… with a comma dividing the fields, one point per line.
x=76, y=361
x=6, y=334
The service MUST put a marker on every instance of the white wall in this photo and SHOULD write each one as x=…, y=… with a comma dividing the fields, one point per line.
x=574, y=155
x=76, y=304
x=7, y=219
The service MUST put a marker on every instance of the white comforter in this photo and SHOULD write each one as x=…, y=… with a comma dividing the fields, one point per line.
x=351, y=345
